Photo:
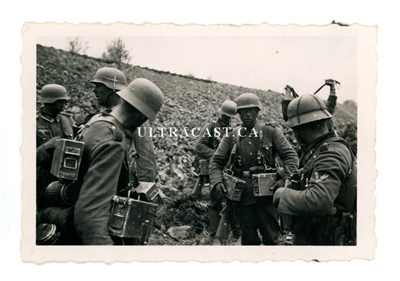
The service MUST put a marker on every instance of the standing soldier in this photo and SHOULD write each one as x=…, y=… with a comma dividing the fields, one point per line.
x=51, y=124
x=205, y=148
x=104, y=169
x=321, y=200
x=107, y=82
x=255, y=146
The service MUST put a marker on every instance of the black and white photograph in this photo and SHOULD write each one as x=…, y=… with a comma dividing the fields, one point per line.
x=207, y=59
x=199, y=136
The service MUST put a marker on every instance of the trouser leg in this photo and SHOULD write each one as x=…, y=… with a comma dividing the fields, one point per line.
x=246, y=214
x=234, y=220
x=267, y=222
x=213, y=212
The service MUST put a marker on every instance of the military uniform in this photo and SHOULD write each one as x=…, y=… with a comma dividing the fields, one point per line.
x=205, y=148
x=254, y=213
x=47, y=128
x=104, y=171
x=142, y=160
x=316, y=206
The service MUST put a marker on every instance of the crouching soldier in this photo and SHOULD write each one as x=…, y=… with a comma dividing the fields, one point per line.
x=249, y=152
x=321, y=200
x=206, y=145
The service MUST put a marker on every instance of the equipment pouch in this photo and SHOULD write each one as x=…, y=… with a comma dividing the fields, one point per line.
x=234, y=186
x=131, y=218
x=204, y=171
x=262, y=184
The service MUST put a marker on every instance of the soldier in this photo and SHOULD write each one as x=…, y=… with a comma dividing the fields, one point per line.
x=107, y=82
x=104, y=168
x=51, y=124
x=323, y=191
x=254, y=154
x=350, y=135
x=205, y=148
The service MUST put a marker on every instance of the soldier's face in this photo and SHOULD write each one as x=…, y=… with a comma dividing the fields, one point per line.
x=226, y=120
x=301, y=135
x=102, y=93
x=56, y=107
x=248, y=116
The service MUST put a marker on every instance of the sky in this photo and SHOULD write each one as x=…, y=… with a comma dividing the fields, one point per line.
x=269, y=62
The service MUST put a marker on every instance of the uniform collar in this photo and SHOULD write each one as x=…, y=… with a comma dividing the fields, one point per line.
x=315, y=144
x=252, y=130
x=49, y=119
x=119, y=124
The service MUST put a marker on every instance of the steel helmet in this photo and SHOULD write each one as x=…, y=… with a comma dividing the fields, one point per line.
x=228, y=108
x=53, y=92
x=248, y=100
x=143, y=95
x=306, y=109
x=111, y=77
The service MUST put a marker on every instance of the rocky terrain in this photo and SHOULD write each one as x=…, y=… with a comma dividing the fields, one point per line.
x=189, y=102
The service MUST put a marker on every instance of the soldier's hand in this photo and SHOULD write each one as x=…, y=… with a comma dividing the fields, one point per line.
x=277, y=196
x=51, y=143
x=220, y=190
x=331, y=84
x=278, y=184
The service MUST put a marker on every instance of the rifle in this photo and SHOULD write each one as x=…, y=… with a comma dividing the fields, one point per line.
x=223, y=227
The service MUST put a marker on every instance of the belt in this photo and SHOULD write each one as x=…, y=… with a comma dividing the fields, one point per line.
x=253, y=171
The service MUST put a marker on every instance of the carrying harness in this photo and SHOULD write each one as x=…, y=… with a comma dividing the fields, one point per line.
x=263, y=150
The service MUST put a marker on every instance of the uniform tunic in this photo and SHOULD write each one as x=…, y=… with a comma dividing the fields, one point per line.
x=142, y=158
x=254, y=214
x=46, y=129
x=103, y=171
x=321, y=193
x=206, y=145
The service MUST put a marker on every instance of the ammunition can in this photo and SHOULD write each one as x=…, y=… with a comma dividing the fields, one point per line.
x=129, y=216
x=234, y=187
x=148, y=192
x=262, y=184
x=67, y=159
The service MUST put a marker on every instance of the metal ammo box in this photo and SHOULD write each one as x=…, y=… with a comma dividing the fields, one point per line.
x=131, y=218
x=204, y=171
x=262, y=184
x=67, y=159
x=234, y=186
x=148, y=192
